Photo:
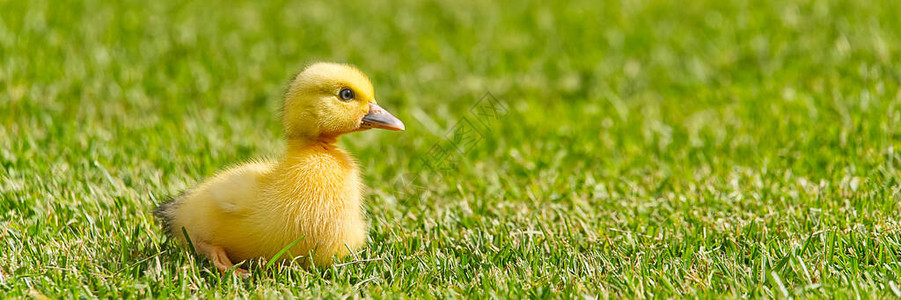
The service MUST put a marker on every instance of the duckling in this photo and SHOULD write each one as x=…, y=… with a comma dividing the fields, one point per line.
x=311, y=196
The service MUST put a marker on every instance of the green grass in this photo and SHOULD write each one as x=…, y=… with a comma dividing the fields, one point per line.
x=648, y=148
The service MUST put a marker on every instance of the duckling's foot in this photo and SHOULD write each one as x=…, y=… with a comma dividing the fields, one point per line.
x=220, y=259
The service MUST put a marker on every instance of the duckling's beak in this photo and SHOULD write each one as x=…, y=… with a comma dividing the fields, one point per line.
x=378, y=117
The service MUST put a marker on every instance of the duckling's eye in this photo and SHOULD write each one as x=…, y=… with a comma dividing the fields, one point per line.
x=346, y=94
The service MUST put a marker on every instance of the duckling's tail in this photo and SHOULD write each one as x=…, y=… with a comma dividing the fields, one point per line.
x=165, y=212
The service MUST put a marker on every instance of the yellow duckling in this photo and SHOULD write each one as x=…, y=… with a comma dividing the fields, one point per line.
x=313, y=194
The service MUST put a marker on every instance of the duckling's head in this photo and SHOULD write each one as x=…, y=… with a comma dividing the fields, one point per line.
x=327, y=100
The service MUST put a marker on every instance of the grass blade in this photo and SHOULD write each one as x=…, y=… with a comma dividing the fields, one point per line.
x=188, y=239
x=282, y=252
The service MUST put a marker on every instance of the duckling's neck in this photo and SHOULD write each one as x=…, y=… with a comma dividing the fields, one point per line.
x=321, y=153
x=304, y=145
x=318, y=163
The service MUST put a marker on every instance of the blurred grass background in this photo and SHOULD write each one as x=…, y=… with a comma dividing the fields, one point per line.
x=651, y=148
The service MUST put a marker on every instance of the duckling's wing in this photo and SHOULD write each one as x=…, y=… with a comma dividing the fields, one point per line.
x=236, y=188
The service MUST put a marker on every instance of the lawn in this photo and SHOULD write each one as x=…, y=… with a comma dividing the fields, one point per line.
x=575, y=150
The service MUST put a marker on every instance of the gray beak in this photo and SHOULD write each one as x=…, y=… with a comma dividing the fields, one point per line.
x=378, y=117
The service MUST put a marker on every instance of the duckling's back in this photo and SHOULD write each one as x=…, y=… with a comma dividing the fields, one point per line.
x=220, y=203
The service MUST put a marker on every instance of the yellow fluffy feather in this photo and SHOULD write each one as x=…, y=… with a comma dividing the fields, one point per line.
x=314, y=191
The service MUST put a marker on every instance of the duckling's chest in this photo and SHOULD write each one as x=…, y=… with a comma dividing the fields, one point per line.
x=315, y=192
x=325, y=178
